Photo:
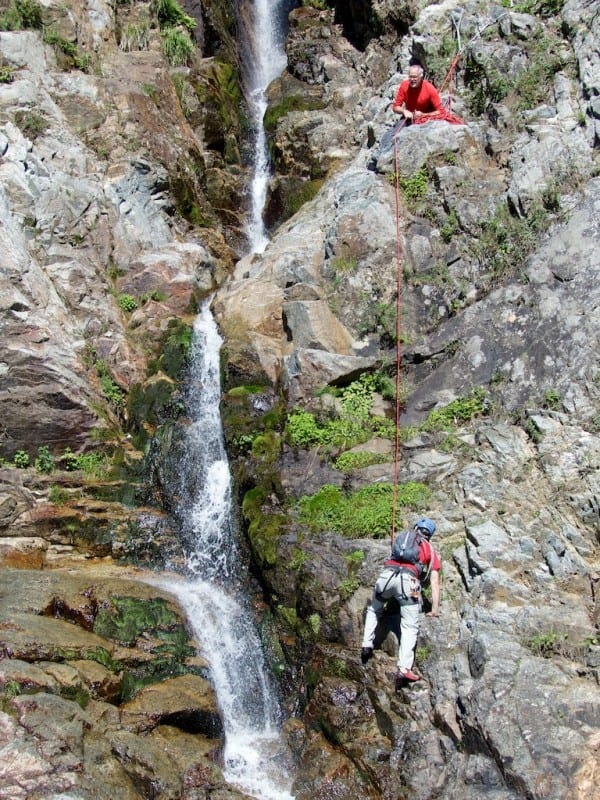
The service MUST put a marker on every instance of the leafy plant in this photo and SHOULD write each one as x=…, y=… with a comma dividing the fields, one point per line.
x=93, y=463
x=170, y=14
x=415, y=187
x=348, y=586
x=72, y=55
x=110, y=388
x=45, y=460
x=545, y=644
x=21, y=459
x=505, y=241
x=22, y=15
x=127, y=302
x=351, y=460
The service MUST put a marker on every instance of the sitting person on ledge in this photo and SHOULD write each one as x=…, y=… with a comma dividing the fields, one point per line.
x=416, y=99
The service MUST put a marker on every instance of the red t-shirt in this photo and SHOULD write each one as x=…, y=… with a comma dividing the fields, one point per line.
x=427, y=555
x=423, y=98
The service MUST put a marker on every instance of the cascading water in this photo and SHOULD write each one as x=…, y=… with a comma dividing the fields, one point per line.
x=263, y=60
x=254, y=759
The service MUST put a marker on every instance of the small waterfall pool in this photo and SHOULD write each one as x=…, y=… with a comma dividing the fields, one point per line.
x=255, y=760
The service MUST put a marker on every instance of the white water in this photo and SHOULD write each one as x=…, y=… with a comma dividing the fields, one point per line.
x=263, y=60
x=254, y=757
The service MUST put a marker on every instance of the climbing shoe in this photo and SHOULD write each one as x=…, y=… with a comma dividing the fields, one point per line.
x=365, y=654
x=407, y=675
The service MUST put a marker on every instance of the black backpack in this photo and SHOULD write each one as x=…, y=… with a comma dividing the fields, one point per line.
x=406, y=547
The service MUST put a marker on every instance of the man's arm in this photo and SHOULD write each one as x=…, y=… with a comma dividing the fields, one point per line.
x=435, y=594
x=399, y=105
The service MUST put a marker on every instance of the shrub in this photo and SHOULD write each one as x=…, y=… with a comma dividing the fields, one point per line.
x=22, y=15
x=127, y=302
x=93, y=464
x=170, y=14
x=45, y=460
x=21, y=459
x=552, y=400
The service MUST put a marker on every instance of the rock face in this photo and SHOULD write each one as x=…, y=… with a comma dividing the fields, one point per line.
x=84, y=645
x=121, y=207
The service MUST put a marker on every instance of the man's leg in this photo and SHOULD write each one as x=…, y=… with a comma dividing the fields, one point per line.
x=409, y=629
x=371, y=619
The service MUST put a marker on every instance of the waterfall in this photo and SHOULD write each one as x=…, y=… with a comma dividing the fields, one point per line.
x=254, y=759
x=262, y=40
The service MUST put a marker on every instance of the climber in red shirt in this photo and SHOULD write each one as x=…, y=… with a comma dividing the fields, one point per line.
x=416, y=98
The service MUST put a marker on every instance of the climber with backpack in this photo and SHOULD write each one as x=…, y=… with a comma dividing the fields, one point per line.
x=412, y=562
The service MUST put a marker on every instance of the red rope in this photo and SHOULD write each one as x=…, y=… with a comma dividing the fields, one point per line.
x=398, y=330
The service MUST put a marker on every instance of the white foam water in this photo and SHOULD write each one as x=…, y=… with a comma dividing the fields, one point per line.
x=263, y=60
x=255, y=759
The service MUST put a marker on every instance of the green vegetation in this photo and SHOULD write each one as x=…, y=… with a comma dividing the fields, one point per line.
x=68, y=54
x=300, y=193
x=343, y=264
x=457, y=412
x=110, y=388
x=93, y=464
x=128, y=620
x=353, y=425
x=364, y=513
x=348, y=586
x=553, y=400
x=505, y=241
x=22, y=15
x=175, y=27
x=414, y=188
x=532, y=86
x=21, y=459
x=127, y=302
x=558, y=643
x=135, y=36
x=175, y=351
x=57, y=495
x=177, y=47
x=543, y=8
x=451, y=227
x=295, y=102
x=45, y=460
x=6, y=74
x=170, y=14
x=359, y=459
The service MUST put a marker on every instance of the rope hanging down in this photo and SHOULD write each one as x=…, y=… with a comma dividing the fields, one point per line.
x=448, y=116
x=398, y=331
